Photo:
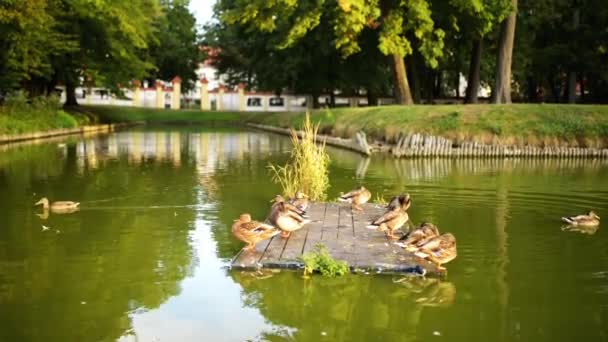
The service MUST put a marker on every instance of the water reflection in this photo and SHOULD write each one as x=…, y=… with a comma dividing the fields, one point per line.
x=336, y=309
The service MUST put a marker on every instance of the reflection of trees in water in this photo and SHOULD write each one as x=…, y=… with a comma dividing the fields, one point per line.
x=105, y=262
x=368, y=308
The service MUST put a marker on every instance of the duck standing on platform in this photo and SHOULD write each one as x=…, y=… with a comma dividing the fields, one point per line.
x=291, y=207
x=252, y=232
x=59, y=207
x=398, y=201
x=589, y=220
x=356, y=197
x=393, y=219
x=286, y=220
x=438, y=250
x=419, y=236
x=300, y=201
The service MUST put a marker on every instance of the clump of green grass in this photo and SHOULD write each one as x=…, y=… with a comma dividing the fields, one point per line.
x=379, y=199
x=320, y=261
x=308, y=168
x=21, y=114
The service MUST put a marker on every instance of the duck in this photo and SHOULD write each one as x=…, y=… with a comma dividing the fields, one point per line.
x=438, y=250
x=291, y=207
x=590, y=219
x=356, y=197
x=392, y=220
x=252, y=232
x=59, y=207
x=399, y=201
x=419, y=236
x=300, y=201
x=286, y=220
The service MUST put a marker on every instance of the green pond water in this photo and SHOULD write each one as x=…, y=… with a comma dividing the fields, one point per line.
x=147, y=256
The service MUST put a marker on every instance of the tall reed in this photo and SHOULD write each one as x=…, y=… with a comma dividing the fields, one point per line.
x=308, y=167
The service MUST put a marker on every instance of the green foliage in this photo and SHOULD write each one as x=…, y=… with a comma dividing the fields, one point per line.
x=320, y=261
x=176, y=52
x=19, y=114
x=448, y=122
x=308, y=169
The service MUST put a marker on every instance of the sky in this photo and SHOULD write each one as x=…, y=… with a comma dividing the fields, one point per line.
x=202, y=10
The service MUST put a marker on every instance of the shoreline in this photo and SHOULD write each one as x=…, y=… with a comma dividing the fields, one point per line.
x=10, y=139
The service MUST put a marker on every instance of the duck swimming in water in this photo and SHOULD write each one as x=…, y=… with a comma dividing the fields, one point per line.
x=591, y=219
x=59, y=207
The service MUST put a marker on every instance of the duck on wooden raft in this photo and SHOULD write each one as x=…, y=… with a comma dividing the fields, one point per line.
x=58, y=207
x=438, y=250
x=300, y=201
x=356, y=197
x=394, y=218
x=300, y=210
x=590, y=220
x=286, y=219
x=426, y=243
x=252, y=232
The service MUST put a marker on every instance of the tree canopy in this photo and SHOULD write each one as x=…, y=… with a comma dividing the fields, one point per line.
x=104, y=43
x=428, y=44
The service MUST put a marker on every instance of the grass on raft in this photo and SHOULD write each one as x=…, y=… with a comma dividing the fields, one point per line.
x=514, y=124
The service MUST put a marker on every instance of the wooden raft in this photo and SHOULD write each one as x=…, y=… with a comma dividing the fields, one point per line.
x=343, y=231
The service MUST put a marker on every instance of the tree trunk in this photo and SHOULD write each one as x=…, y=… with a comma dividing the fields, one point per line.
x=572, y=73
x=457, y=85
x=414, y=77
x=70, y=94
x=581, y=80
x=473, y=77
x=332, y=99
x=372, y=98
x=402, y=88
x=502, y=89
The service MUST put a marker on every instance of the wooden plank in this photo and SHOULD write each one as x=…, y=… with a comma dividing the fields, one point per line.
x=345, y=244
x=250, y=259
x=317, y=213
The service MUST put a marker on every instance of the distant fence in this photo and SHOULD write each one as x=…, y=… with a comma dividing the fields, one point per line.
x=217, y=99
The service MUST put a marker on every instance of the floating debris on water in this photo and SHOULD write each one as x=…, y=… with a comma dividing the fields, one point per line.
x=45, y=228
x=436, y=333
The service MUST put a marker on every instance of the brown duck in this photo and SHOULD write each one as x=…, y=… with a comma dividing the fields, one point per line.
x=591, y=219
x=356, y=197
x=300, y=201
x=286, y=220
x=419, y=236
x=439, y=250
x=390, y=221
x=252, y=232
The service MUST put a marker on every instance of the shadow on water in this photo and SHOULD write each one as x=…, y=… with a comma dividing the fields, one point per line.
x=144, y=258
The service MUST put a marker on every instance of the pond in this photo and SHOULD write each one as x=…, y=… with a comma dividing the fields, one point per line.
x=146, y=257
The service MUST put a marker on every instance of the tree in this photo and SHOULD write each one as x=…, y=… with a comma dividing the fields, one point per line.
x=395, y=21
x=502, y=90
x=177, y=52
x=28, y=40
x=478, y=18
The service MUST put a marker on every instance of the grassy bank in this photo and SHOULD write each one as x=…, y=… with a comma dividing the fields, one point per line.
x=111, y=114
x=517, y=124
x=20, y=115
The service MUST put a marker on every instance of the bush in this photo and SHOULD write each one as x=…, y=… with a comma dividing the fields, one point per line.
x=65, y=120
x=308, y=169
x=320, y=261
